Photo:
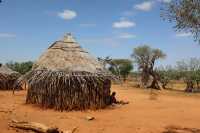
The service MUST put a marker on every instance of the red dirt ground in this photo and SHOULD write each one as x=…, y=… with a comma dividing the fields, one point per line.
x=141, y=115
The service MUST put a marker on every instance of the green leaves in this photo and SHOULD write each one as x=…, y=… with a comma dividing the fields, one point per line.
x=186, y=15
x=20, y=67
x=146, y=56
x=121, y=67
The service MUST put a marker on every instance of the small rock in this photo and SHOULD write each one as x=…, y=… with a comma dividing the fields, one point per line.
x=89, y=118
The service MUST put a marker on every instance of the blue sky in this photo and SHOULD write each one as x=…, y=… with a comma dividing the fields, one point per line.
x=103, y=27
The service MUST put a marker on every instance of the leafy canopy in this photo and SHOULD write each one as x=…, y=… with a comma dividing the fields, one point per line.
x=121, y=67
x=186, y=15
x=146, y=56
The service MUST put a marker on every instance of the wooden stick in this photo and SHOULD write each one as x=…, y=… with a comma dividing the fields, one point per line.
x=33, y=126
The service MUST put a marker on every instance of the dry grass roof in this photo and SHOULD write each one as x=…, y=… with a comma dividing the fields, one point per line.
x=67, y=55
x=5, y=70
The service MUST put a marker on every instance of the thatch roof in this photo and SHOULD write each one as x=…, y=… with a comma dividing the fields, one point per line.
x=6, y=70
x=66, y=77
x=67, y=55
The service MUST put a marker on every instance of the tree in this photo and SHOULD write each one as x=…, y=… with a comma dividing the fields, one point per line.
x=190, y=73
x=22, y=67
x=186, y=15
x=166, y=74
x=105, y=61
x=121, y=67
x=146, y=57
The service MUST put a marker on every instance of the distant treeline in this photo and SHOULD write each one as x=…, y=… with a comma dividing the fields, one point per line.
x=186, y=70
x=21, y=67
x=150, y=76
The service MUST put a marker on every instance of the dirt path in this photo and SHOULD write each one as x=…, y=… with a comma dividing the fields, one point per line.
x=142, y=115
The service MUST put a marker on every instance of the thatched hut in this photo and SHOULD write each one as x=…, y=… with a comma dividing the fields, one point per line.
x=66, y=77
x=8, y=78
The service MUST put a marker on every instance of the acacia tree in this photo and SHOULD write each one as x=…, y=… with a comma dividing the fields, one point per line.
x=190, y=73
x=166, y=74
x=186, y=15
x=146, y=58
x=121, y=67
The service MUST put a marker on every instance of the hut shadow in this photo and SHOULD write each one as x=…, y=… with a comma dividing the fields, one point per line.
x=116, y=106
x=43, y=108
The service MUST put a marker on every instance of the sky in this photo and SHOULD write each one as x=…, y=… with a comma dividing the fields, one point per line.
x=102, y=27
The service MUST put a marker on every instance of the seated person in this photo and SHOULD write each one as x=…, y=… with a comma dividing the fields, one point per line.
x=113, y=99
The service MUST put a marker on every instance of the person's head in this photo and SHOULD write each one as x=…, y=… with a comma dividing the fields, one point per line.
x=113, y=93
x=0, y=64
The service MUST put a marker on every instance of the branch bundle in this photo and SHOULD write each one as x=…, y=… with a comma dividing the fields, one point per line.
x=68, y=91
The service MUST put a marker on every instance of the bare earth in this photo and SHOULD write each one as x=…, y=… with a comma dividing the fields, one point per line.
x=141, y=115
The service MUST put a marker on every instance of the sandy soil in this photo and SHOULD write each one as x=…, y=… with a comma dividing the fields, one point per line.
x=141, y=115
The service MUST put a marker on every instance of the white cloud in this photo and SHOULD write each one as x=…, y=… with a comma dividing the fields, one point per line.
x=7, y=35
x=126, y=36
x=124, y=24
x=165, y=1
x=67, y=14
x=184, y=34
x=145, y=6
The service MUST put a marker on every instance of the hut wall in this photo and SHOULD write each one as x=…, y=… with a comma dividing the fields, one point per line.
x=7, y=82
x=75, y=91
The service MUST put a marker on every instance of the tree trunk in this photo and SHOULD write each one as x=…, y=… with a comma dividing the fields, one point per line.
x=164, y=86
x=124, y=79
x=190, y=86
x=154, y=84
x=145, y=78
x=197, y=84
